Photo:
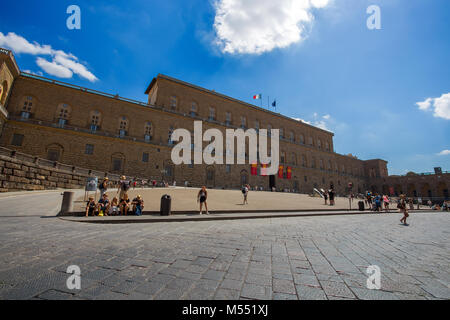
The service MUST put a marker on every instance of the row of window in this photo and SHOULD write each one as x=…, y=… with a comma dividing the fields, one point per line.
x=244, y=125
x=95, y=119
x=64, y=110
x=17, y=140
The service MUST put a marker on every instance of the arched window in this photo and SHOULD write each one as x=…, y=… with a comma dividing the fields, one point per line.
x=148, y=131
x=194, y=109
x=3, y=92
x=210, y=176
x=243, y=122
x=54, y=152
x=304, y=163
x=228, y=118
x=294, y=159
x=310, y=141
x=292, y=136
x=321, y=164
x=27, y=107
x=212, y=113
x=282, y=157
x=170, y=141
x=329, y=165
x=302, y=139
x=319, y=144
x=123, y=126
x=95, y=120
x=244, y=177
x=117, y=162
x=327, y=146
x=313, y=163
x=173, y=102
x=281, y=133
x=63, y=114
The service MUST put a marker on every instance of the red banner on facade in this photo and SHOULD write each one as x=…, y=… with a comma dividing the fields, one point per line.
x=391, y=191
x=254, y=169
x=280, y=171
x=289, y=173
x=263, y=169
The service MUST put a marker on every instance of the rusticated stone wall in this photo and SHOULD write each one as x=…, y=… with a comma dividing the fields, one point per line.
x=19, y=171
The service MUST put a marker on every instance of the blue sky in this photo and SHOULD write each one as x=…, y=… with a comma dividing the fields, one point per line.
x=316, y=57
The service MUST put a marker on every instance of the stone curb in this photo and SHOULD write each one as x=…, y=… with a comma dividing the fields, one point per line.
x=213, y=217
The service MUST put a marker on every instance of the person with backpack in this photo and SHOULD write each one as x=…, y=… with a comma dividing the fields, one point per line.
x=245, y=190
x=376, y=202
x=124, y=186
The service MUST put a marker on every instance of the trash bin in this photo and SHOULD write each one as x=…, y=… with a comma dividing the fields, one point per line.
x=361, y=205
x=166, y=202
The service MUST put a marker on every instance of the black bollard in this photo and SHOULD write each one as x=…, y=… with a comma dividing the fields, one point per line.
x=67, y=203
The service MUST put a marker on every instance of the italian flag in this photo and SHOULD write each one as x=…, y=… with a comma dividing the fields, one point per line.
x=256, y=97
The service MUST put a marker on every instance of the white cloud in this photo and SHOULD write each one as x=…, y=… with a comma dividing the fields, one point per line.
x=21, y=45
x=258, y=26
x=76, y=67
x=38, y=73
x=322, y=124
x=444, y=153
x=63, y=64
x=54, y=68
x=301, y=120
x=440, y=106
x=425, y=105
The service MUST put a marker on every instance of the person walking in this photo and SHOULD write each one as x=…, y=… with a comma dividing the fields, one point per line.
x=377, y=203
x=369, y=200
x=386, y=203
x=331, y=195
x=245, y=190
x=403, y=209
x=202, y=196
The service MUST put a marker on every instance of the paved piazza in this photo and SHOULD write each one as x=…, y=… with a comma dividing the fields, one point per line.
x=284, y=258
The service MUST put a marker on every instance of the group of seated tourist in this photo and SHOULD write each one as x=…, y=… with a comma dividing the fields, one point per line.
x=105, y=207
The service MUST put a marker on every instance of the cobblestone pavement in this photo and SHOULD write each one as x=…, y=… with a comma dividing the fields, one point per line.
x=285, y=258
